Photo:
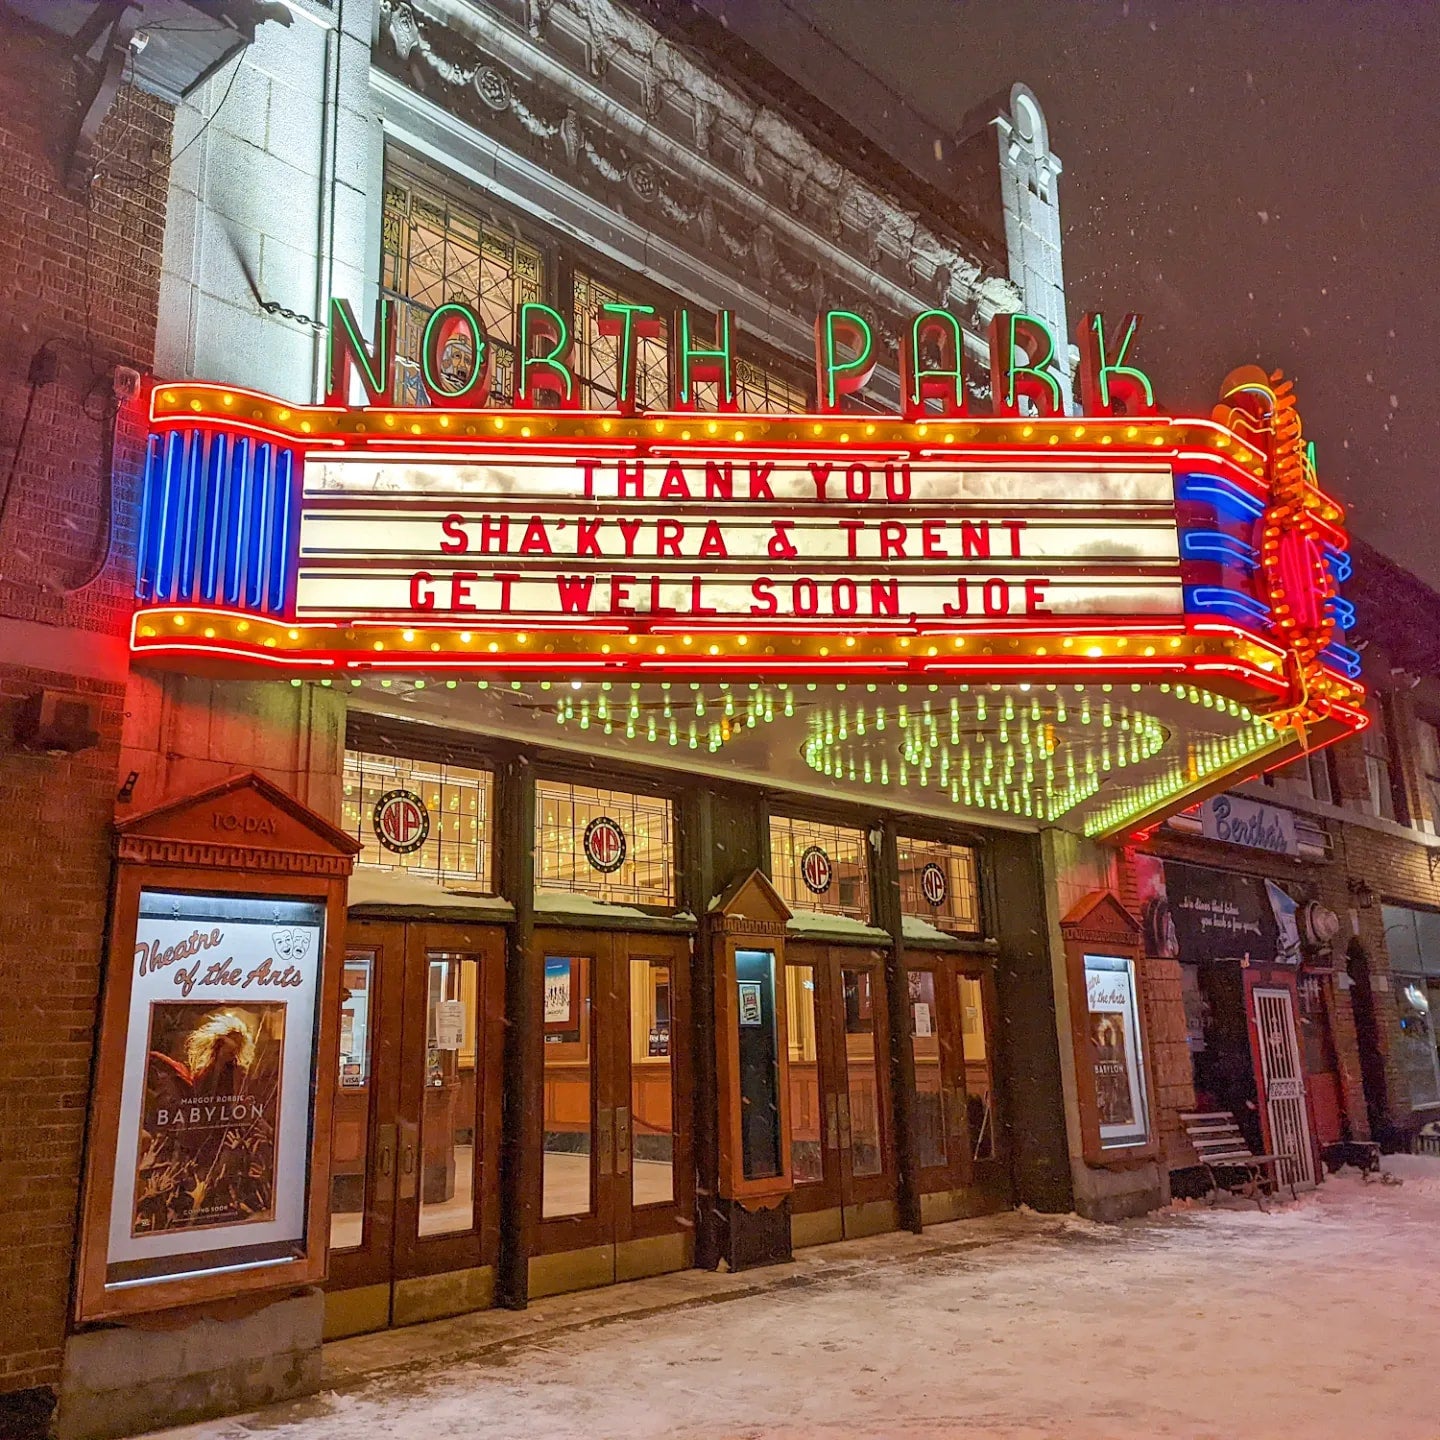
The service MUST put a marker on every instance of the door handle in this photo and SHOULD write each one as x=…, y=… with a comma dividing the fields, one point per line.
x=409, y=1139
x=842, y=1106
x=604, y=1141
x=832, y=1122
x=386, y=1150
x=622, y=1140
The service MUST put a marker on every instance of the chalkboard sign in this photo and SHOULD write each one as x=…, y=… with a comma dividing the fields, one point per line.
x=760, y=1137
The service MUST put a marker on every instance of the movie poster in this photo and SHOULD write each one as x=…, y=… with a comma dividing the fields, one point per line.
x=208, y=1126
x=1113, y=1028
x=1113, y=1096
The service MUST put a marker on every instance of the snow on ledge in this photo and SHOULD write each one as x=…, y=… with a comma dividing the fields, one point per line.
x=815, y=923
x=371, y=885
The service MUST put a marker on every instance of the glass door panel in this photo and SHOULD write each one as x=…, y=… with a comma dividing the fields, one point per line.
x=350, y=1142
x=979, y=1073
x=931, y=1142
x=862, y=1074
x=569, y=1080
x=652, y=1083
x=807, y=1154
x=449, y=1112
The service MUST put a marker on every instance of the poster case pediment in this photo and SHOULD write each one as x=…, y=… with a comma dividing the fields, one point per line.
x=244, y=822
x=1100, y=919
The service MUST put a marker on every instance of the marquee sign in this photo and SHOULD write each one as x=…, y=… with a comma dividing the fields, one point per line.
x=1116, y=546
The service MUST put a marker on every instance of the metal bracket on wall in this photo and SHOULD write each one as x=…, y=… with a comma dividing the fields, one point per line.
x=115, y=16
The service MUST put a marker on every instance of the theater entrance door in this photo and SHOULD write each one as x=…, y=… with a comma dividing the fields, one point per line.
x=841, y=1149
x=617, y=1174
x=414, y=1226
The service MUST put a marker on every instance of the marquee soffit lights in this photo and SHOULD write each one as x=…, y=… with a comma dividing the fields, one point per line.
x=1171, y=558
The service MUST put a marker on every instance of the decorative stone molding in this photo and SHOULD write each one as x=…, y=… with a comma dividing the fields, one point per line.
x=708, y=161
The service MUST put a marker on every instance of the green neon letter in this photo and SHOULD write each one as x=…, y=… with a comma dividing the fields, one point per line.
x=1108, y=387
x=549, y=373
x=441, y=329
x=944, y=384
x=834, y=376
x=627, y=323
x=1010, y=379
x=694, y=362
x=348, y=350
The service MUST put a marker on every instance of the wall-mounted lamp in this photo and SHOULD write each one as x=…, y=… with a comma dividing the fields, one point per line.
x=1362, y=894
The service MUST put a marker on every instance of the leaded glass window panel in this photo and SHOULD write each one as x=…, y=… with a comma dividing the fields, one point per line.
x=437, y=249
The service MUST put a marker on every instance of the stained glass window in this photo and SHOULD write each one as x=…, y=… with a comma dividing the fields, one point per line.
x=434, y=249
x=456, y=814
x=820, y=867
x=938, y=884
x=613, y=845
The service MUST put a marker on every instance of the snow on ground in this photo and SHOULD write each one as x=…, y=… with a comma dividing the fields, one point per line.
x=1318, y=1319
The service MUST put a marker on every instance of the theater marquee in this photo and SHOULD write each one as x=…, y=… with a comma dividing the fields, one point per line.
x=1191, y=565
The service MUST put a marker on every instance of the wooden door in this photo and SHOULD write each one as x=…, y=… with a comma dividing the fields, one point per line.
x=414, y=1219
x=841, y=1146
x=617, y=1175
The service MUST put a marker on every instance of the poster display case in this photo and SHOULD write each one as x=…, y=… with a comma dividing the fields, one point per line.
x=219, y=1045
x=752, y=1059
x=1112, y=1059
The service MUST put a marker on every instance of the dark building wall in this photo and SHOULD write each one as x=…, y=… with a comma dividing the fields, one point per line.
x=81, y=271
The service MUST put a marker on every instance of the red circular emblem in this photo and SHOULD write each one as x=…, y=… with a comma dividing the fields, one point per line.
x=933, y=885
x=401, y=821
x=816, y=870
x=605, y=845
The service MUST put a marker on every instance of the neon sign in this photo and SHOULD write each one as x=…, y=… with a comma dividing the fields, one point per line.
x=1193, y=563
x=1023, y=360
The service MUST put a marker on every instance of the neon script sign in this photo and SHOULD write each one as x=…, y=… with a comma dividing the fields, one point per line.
x=457, y=361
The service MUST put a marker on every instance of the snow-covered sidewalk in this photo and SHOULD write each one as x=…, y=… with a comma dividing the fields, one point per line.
x=1320, y=1318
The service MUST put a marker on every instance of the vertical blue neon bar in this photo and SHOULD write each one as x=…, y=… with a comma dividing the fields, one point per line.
x=217, y=489
x=177, y=513
x=154, y=449
x=259, y=536
x=283, y=512
x=192, y=519
x=164, y=503
x=238, y=520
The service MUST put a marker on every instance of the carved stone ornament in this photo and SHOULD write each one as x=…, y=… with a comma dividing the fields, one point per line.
x=493, y=87
x=643, y=181
x=404, y=31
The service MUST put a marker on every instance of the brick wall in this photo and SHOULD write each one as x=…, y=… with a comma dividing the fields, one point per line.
x=82, y=276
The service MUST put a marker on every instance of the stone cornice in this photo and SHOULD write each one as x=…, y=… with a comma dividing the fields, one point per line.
x=670, y=139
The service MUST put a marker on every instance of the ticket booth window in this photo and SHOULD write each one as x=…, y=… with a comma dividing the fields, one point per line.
x=820, y=867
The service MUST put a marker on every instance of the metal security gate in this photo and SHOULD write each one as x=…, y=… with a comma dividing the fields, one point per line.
x=1284, y=1081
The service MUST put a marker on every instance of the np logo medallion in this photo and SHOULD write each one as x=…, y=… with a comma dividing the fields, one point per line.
x=933, y=884
x=401, y=821
x=816, y=870
x=604, y=845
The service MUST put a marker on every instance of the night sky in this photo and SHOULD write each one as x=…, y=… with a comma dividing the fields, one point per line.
x=1257, y=178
